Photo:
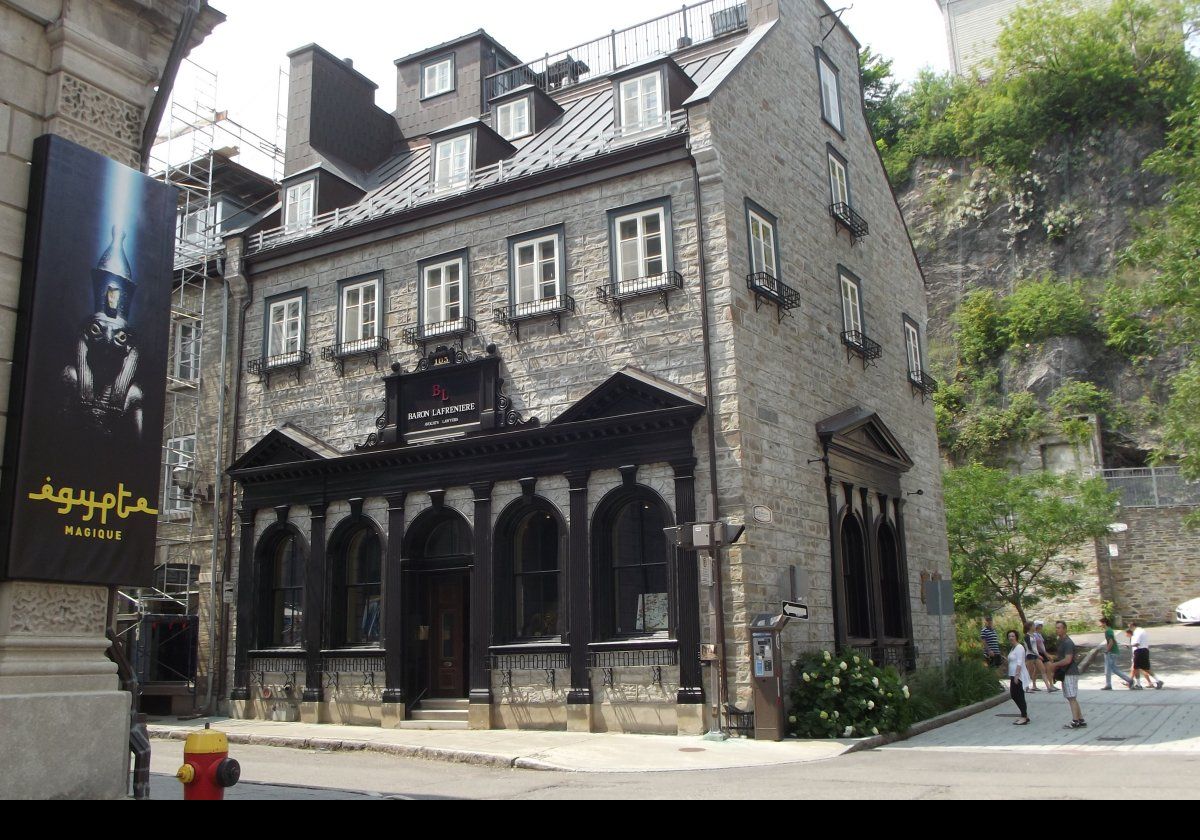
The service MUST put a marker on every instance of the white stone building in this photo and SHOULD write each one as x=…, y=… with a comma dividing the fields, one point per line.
x=658, y=279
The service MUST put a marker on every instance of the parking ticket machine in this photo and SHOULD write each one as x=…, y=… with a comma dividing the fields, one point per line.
x=766, y=653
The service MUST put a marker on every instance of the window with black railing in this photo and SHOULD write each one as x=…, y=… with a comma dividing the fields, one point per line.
x=280, y=361
x=857, y=343
x=511, y=317
x=844, y=216
x=453, y=328
x=773, y=290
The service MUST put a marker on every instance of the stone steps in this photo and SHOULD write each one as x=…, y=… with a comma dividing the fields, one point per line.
x=439, y=714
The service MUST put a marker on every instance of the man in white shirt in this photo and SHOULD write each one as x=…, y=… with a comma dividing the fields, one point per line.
x=1141, y=655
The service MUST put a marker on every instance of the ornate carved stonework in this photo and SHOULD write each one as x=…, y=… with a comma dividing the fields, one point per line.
x=102, y=111
x=96, y=142
x=52, y=609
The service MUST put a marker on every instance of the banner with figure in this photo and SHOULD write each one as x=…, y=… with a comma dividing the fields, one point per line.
x=84, y=441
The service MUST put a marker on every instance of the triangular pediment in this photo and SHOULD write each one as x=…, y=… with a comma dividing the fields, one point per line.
x=286, y=444
x=629, y=391
x=861, y=434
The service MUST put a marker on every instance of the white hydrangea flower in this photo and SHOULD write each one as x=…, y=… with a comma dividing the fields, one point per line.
x=870, y=704
x=827, y=656
x=874, y=730
x=837, y=681
x=848, y=731
x=843, y=666
x=836, y=714
x=875, y=682
x=857, y=661
x=904, y=689
x=824, y=715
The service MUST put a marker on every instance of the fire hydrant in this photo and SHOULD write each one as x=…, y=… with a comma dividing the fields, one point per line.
x=207, y=768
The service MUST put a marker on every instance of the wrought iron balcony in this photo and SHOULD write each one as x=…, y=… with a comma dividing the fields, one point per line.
x=844, y=216
x=858, y=344
x=425, y=333
x=339, y=353
x=552, y=307
x=922, y=383
x=618, y=293
x=773, y=290
x=268, y=365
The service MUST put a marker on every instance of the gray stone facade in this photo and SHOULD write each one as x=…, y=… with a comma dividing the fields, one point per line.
x=86, y=72
x=757, y=135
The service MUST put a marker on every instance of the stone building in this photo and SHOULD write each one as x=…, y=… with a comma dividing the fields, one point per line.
x=88, y=72
x=509, y=332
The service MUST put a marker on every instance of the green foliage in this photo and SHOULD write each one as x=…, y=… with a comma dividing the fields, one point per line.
x=1124, y=321
x=879, y=96
x=983, y=432
x=1043, y=308
x=967, y=680
x=1061, y=69
x=1073, y=398
x=846, y=696
x=1109, y=610
x=1008, y=533
x=1182, y=418
x=980, y=323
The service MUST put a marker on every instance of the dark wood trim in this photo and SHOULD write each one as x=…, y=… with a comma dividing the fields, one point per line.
x=902, y=548
x=393, y=612
x=481, y=595
x=687, y=591
x=245, y=612
x=579, y=582
x=315, y=599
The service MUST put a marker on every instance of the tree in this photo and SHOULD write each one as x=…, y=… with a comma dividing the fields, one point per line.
x=879, y=89
x=1008, y=534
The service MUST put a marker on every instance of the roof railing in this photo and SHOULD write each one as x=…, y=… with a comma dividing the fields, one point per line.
x=673, y=31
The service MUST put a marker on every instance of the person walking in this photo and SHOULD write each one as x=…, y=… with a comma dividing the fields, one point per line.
x=1039, y=645
x=1070, y=680
x=1111, y=649
x=1031, y=658
x=1141, y=654
x=1017, y=676
x=991, y=644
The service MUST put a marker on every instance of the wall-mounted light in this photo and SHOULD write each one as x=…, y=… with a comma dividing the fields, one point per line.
x=915, y=493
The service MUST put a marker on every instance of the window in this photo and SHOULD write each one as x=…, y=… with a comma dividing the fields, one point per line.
x=639, y=568
x=360, y=311
x=851, y=304
x=283, y=594
x=640, y=246
x=452, y=167
x=443, y=290
x=358, y=560
x=535, y=575
x=762, y=242
x=186, y=361
x=179, y=481
x=437, y=77
x=285, y=330
x=512, y=119
x=856, y=584
x=912, y=341
x=839, y=184
x=300, y=199
x=831, y=106
x=640, y=103
x=537, y=270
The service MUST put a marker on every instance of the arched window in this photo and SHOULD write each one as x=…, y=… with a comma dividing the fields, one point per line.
x=533, y=542
x=632, y=552
x=892, y=584
x=856, y=580
x=447, y=538
x=282, y=612
x=357, y=576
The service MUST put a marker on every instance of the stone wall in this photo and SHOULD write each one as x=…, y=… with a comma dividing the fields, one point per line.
x=1157, y=566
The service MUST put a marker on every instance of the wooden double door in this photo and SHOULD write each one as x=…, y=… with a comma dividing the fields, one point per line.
x=448, y=646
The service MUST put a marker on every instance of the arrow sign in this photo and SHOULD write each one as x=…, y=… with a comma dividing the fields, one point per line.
x=794, y=609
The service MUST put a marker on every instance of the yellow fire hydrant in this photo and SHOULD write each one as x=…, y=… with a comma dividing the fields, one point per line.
x=207, y=768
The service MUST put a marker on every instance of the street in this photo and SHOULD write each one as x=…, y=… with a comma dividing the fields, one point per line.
x=1147, y=743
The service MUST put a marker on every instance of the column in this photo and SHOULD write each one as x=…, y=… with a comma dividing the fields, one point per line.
x=245, y=613
x=315, y=581
x=480, y=712
x=579, y=604
x=393, y=616
x=687, y=592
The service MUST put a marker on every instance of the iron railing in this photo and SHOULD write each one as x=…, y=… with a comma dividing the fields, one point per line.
x=385, y=202
x=454, y=328
x=767, y=286
x=1153, y=487
x=269, y=365
x=922, y=383
x=844, y=216
x=858, y=344
x=552, y=307
x=622, y=47
x=339, y=353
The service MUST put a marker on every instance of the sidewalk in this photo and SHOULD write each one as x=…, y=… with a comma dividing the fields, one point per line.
x=528, y=750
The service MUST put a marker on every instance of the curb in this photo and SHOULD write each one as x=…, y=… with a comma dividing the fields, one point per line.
x=335, y=745
x=921, y=727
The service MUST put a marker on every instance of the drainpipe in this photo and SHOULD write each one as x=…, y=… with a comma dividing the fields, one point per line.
x=175, y=57
x=216, y=575
x=713, y=495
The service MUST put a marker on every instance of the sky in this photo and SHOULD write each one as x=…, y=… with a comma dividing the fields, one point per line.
x=248, y=51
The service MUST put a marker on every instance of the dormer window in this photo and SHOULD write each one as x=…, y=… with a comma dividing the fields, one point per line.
x=299, y=201
x=452, y=162
x=437, y=77
x=640, y=103
x=512, y=119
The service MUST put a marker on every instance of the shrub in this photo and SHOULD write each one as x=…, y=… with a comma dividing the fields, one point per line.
x=966, y=681
x=1043, y=308
x=846, y=696
x=979, y=320
x=1125, y=328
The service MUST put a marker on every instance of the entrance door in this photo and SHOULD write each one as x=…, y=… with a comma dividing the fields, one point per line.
x=447, y=654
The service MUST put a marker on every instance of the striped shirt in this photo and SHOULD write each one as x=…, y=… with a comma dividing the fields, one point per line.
x=991, y=642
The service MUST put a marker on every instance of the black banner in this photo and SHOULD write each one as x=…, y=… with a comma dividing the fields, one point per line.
x=442, y=402
x=84, y=442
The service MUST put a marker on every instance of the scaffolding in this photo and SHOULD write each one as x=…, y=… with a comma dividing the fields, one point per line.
x=160, y=624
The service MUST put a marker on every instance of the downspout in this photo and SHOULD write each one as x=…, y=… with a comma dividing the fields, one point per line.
x=710, y=388
x=216, y=575
x=237, y=405
x=179, y=47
